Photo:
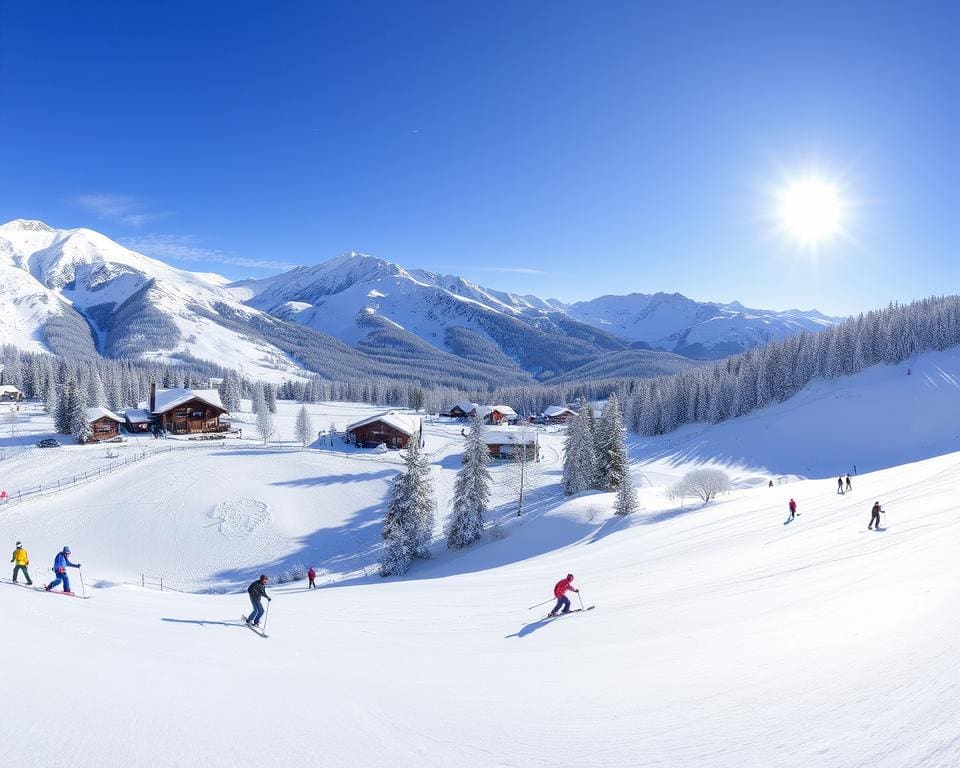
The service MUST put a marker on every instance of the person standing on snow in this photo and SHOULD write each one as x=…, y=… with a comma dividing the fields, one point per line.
x=875, y=516
x=559, y=592
x=840, y=484
x=257, y=590
x=849, y=486
x=20, y=560
x=312, y=574
x=60, y=565
x=793, y=509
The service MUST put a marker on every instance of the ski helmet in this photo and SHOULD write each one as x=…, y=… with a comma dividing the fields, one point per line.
x=66, y=550
x=569, y=576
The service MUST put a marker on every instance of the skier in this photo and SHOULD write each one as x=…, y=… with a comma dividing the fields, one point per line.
x=60, y=565
x=875, y=516
x=312, y=574
x=559, y=592
x=793, y=509
x=257, y=590
x=21, y=560
x=849, y=486
x=840, y=485
x=770, y=484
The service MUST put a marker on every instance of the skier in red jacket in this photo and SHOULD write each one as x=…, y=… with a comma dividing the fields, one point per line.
x=559, y=591
x=793, y=509
x=312, y=574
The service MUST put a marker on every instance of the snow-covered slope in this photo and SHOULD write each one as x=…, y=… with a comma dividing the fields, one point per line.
x=721, y=637
x=134, y=305
x=702, y=330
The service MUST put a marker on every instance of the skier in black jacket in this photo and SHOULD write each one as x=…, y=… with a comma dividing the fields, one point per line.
x=875, y=516
x=257, y=590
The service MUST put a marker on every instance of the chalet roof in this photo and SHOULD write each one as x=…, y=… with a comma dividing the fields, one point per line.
x=485, y=410
x=99, y=412
x=558, y=410
x=409, y=425
x=137, y=415
x=509, y=436
x=8, y=389
x=171, y=398
x=463, y=406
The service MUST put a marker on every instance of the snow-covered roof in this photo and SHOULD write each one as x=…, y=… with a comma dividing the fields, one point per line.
x=171, y=398
x=99, y=412
x=8, y=389
x=509, y=436
x=409, y=425
x=464, y=406
x=558, y=410
x=137, y=415
x=504, y=410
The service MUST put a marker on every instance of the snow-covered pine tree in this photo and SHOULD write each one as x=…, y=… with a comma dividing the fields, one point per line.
x=579, y=459
x=612, y=453
x=411, y=510
x=79, y=426
x=303, y=427
x=270, y=396
x=50, y=397
x=626, y=502
x=471, y=492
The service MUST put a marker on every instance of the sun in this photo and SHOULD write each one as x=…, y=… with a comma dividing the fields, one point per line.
x=811, y=210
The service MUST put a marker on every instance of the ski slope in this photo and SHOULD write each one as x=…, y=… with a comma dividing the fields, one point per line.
x=722, y=637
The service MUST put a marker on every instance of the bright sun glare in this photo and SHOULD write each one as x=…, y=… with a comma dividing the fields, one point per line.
x=811, y=210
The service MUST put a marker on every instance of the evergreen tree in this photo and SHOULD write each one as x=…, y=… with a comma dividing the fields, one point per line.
x=612, y=451
x=270, y=397
x=79, y=426
x=304, y=427
x=408, y=524
x=579, y=459
x=626, y=502
x=471, y=492
x=265, y=424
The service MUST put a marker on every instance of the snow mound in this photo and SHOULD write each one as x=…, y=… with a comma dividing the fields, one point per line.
x=240, y=517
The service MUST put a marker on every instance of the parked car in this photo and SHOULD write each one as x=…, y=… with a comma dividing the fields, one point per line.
x=49, y=442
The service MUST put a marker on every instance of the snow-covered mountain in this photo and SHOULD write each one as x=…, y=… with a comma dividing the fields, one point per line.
x=77, y=292
x=702, y=330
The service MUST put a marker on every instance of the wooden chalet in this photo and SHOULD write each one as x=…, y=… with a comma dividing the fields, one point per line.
x=137, y=420
x=461, y=410
x=512, y=443
x=104, y=423
x=495, y=414
x=187, y=411
x=9, y=393
x=391, y=429
x=558, y=414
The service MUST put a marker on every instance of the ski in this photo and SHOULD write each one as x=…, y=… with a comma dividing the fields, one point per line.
x=572, y=610
x=65, y=594
x=255, y=630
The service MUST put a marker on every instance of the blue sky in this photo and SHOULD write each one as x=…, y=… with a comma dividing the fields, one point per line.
x=567, y=149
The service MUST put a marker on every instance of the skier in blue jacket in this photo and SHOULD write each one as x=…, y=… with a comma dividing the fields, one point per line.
x=60, y=565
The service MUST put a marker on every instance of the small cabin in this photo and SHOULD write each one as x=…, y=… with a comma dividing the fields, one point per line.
x=512, y=443
x=187, y=411
x=391, y=429
x=496, y=414
x=461, y=410
x=104, y=423
x=558, y=414
x=137, y=420
x=9, y=393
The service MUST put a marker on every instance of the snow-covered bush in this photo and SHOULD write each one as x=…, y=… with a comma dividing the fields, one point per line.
x=703, y=483
x=296, y=573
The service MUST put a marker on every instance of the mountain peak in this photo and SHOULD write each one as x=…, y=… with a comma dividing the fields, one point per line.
x=26, y=225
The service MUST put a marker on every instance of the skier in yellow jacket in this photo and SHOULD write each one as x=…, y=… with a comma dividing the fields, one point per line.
x=21, y=560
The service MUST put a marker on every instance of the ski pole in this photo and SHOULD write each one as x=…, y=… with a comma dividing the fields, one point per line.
x=266, y=616
x=83, y=589
x=539, y=604
x=581, y=599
